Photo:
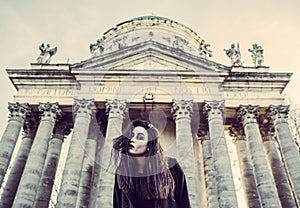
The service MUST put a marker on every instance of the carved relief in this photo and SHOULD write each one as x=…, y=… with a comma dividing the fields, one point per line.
x=18, y=111
x=204, y=50
x=116, y=108
x=237, y=131
x=46, y=54
x=84, y=107
x=180, y=43
x=234, y=54
x=267, y=131
x=30, y=126
x=247, y=114
x=182, y=109
x=214, y=109
x=97, y=48
x=50, y=110
x=61, y=130
x=203, y=132
x=278, y=113
x=257, y=54
x=120, y=42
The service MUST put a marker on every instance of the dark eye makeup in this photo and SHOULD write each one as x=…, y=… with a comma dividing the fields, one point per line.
x=140, y=136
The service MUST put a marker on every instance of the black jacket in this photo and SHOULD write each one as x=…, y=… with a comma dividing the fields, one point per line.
x=134, y=200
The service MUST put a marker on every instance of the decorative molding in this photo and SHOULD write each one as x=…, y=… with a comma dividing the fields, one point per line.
x=237, y=131
x=116, y=108
x=182, y=109
x=50, y=110
x=247, y=114
x=214, y=109
x=30, y=126
x=203, y=132
x=18, y=111
x=267, y=131
x=279, y=113
x=84, y=107
x=61, y=130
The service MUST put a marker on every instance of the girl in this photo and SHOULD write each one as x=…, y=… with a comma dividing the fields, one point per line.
x=145, y=177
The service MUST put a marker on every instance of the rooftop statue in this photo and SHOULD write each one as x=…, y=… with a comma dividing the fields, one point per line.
x=234, y=54
x=204, y=50
x=257, y=54
x=46, y=54
x=97, y=48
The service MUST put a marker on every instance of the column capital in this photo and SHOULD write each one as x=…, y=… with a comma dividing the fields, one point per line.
x=182, y=109
x=61, y=130
x=83, y=107
x=279, y=113
x=267, y=131
x=214, y=109
x=50, y=110
x=237, y=131
x=116, y=108
x=247, y=114
x=203, y=132
x=30, y=126
x=18, y=111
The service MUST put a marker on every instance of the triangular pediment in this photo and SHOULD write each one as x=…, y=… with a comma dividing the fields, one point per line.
x=150, y=56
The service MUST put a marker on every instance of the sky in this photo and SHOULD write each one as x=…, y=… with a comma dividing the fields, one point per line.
x=72, y=25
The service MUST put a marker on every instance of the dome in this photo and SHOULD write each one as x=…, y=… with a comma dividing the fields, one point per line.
x=147, y=29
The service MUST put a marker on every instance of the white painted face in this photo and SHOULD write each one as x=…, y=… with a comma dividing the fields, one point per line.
x=139, y=141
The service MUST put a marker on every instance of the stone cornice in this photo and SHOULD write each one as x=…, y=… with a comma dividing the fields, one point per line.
x=191, y=61
x=42, y=75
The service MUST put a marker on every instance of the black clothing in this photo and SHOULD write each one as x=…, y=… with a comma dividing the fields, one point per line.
x=134, y=200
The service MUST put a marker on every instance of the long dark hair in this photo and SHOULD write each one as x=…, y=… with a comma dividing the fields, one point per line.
x=156, y=182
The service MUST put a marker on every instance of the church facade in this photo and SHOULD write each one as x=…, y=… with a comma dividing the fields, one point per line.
x=155, y=69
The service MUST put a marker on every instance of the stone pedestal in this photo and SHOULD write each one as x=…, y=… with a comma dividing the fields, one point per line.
x=247, y=114
x=9, y=138
x=28, y=186
x=214, y=111
x=83, y=111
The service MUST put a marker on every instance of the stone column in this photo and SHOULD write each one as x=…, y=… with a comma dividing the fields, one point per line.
x=209, y=169
x=289, y=151
x=84, y=110
x=265, y=184
x=116, y=110
x=182, y=111
x=44, y=192
x=28, y=186
x=214, y=111
x=277, y=167
x=10, y=135
x=246, y=167
x=11, y=186
x=95, y=189
x=87, y=171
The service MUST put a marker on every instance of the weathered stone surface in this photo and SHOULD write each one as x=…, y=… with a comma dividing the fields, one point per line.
x=289, y=150
x=25, y=196
x=83, y=110
x=18, y=113
x=214, y=111
x=264, y=180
